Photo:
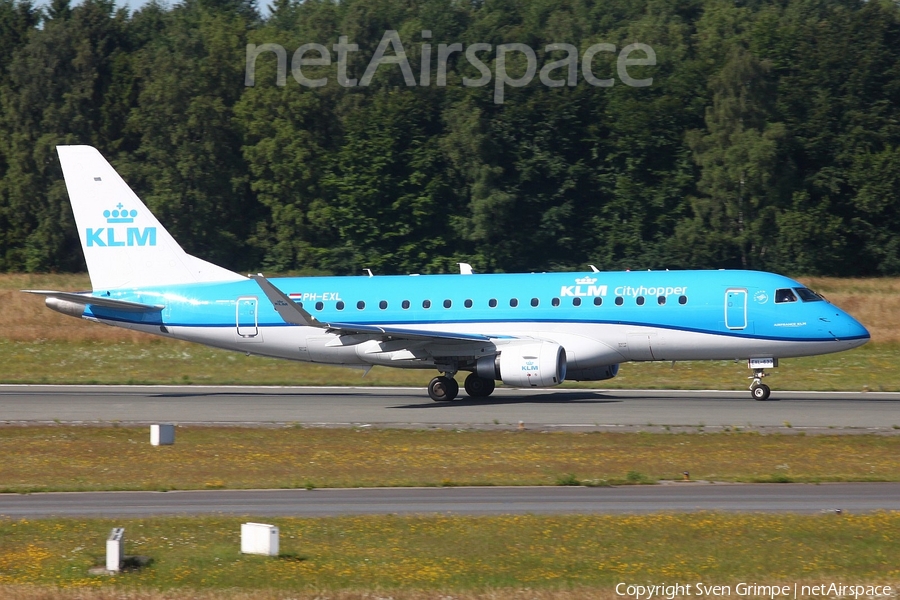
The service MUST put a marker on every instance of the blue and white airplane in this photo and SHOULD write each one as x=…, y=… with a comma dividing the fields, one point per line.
x=526, y=330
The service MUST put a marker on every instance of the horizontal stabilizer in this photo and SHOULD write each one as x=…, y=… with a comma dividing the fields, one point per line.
x=88, y=300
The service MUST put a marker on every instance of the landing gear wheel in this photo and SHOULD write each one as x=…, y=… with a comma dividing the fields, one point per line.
x=758, y=389
x=760, y=392
x=479, y=387
x=443, y=389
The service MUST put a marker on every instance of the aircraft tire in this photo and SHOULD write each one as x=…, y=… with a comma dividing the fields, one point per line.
x=761, y=392
x=479, y=387
x=443, y=389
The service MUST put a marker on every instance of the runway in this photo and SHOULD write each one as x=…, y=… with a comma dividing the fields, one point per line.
x=676, y=497
x=846, y=412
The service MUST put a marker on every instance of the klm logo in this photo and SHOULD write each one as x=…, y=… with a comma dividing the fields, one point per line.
x=110, y=236
x=585, y=286
x=530, y=366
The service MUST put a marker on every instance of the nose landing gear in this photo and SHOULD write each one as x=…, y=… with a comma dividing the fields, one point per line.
x=758, y=389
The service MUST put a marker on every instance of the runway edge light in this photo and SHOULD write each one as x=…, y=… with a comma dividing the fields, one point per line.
x=259, y=538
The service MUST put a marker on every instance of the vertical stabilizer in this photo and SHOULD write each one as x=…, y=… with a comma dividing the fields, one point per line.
x=124, y=244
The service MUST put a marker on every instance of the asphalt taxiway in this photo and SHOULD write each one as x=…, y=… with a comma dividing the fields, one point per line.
x=354, y=406
x=675, y=497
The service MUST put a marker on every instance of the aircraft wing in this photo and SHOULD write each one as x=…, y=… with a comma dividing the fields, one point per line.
x=293, y=313
x=88, y=300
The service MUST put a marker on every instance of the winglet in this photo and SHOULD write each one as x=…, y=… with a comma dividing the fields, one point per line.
x=289, y=310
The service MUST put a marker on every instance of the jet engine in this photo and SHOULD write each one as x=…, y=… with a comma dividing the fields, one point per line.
x=538, y=364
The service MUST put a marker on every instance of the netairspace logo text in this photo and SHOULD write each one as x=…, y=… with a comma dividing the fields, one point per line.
x=557, y=73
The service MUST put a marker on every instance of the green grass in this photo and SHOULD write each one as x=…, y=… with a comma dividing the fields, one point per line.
x=160, y=361
x=59, y=458
x=460, y=553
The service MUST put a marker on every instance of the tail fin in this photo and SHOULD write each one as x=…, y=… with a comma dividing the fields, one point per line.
x=123, y=243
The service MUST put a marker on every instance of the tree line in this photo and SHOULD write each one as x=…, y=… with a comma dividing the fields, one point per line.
x=769, y=138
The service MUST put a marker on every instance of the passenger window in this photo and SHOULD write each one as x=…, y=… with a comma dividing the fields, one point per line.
x=620, y=300
x=382, y=305
x=447, y=303
x=682, y=299
x=598, y=301
x=639, y=300
x=576, y=301
x=492, y=303
x=661, y=300
x=360, y=305
x=339, y=305
x=426, y=303
x=319, y=306
x=784, y=295
x=405, y=304
x=555, y=302
x=468, y=303
x=514, y=302
x=535, y=301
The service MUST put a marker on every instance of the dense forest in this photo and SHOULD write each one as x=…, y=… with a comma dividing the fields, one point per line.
x=769, y=138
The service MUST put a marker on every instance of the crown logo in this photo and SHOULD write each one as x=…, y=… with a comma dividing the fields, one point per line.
x=586, y=281
x=119, y=215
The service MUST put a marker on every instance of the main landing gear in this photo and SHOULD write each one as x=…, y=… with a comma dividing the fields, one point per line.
x=444, y=388
x=479, y=387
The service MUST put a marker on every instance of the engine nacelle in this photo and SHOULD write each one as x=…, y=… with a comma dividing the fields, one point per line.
x=593, y=373
x=541, y=364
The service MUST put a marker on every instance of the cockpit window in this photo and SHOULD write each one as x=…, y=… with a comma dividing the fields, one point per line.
x=808, y=295
x=784, y=295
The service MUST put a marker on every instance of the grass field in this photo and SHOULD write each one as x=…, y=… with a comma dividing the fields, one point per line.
x=450, y=554
x=38, y=345
x=104, y=458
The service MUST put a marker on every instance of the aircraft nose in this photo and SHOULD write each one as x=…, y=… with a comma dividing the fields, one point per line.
x=852, y=332
x=845, y=329
x=856, y=330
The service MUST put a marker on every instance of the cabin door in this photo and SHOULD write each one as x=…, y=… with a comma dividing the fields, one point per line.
x=246, y=315
x=736, y=308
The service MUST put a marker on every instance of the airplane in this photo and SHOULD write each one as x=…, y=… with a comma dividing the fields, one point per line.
x=526, y=330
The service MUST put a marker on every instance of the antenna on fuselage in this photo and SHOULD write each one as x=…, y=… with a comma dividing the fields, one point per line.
x=465, y=269
x=594, y=269
x=369, y=271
